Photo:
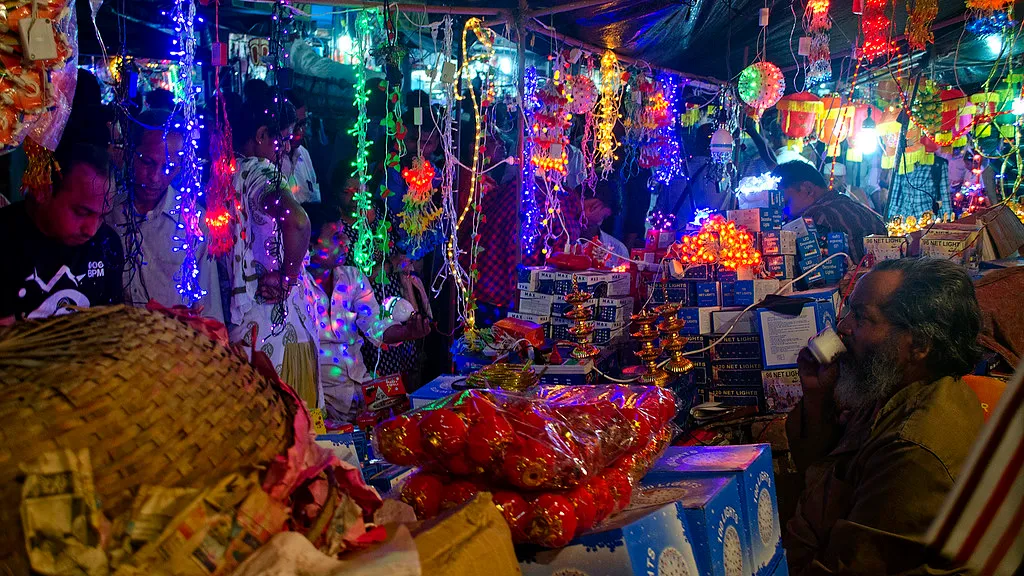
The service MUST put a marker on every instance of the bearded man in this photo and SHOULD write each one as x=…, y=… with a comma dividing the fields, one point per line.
x=889, y=426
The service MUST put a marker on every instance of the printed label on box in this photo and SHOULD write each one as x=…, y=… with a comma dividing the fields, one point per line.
x=782, y=389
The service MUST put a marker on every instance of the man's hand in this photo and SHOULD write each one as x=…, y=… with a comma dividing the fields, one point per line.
x=816, y=378
x=415, y=328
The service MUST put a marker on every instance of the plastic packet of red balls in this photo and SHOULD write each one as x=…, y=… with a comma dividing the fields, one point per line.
x=558, y=459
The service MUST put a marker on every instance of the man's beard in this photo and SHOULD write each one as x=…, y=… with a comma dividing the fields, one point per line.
x=867, y=381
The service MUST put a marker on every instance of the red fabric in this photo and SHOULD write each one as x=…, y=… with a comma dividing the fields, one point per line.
x=499, y=232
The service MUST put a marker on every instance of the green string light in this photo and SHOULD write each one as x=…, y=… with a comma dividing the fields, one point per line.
x=362, y=252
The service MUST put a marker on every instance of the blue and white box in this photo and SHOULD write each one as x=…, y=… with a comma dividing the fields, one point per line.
x=748, y=292
x=802, y=227
x=807, y=249
x=535, y=303
x=528, y=278
x=751, y=466
x=618, y=309
x=696, y=320
x=741, y=322
x=546, y=281
x=341, y=445
x=638, y=542
x=783, y=336
x=709, y=293
x=440, y=387
x=711, y=509
x=837, y=242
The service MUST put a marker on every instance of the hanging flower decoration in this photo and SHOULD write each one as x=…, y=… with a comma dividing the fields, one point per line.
x=989, y=16
x=761, y=85
x=608, y=113
x=362, y=249
x=691, y=116
x=875, y=27
x=550, y=131
x=919, y=23
x=581, y=94
x=420, y=212
x=719, y=241
x=817, y=25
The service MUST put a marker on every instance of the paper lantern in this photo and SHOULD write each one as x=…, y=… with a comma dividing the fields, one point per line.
x=1010, y=104
x=761, y=85
x=985, y=104
x=798, y=116
x=836, y=123
x=952, y=102
x=721, y=146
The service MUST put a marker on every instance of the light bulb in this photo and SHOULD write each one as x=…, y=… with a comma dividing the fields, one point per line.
x=994, y=43
x=344, y=43
x=1017, y=107
x=505, y=65
x=867, y=140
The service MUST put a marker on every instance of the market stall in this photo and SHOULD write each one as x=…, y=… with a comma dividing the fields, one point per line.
x=543, y=288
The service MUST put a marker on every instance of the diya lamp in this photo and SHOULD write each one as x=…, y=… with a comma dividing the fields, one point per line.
x=645, y=332
x=672, y=340
x=583, y=331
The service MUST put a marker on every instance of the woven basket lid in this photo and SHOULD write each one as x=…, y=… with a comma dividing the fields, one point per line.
x=154, y=401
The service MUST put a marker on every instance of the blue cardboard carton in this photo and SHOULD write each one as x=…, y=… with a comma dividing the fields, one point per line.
x=807, y=248
x=781, y=267
x=389, y=478
x=341, y=445
x=709, y=293
x=711, y=509
x=751, y=466
x=697, y=321
x=749, y=292
x=783, y=336
x=837, y=242
x=705, y=272
x=436, y=389
x=675, y=291
x=833, y=271
x=639, y=542
x=727, y=275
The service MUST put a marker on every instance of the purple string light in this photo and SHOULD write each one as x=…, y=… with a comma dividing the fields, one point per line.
x=530, y=209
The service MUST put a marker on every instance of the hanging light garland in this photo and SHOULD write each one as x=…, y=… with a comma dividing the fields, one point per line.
x=817, y=25
x=608, y=113
x=761, y=85
x=670, y=166
x=989, y=16
x=876, y=27
x=222, y=203
x=187, y=210
x=529, y=207
x=719, y=241
x=362, y=251
x=919, y=23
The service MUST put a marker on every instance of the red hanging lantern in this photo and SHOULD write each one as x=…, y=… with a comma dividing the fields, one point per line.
x=836, y=123
x=798, y=117
x=953, y=100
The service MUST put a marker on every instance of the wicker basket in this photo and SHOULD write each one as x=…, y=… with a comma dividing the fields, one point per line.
x=153, y=400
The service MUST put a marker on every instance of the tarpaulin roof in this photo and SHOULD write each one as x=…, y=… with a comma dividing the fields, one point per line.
x=715, y=38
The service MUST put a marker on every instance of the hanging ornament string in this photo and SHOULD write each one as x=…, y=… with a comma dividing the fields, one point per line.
x=608, y=115
x=362, y=251
x=187, y=210
x=876, y=28
x=529, y=209
x=919, y=23
x=665, y=144
x=449, y=210
x=817, y=25
x=989, y=16
x=222, y=201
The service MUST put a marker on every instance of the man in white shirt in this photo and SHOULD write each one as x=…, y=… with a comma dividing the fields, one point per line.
x=148, y=224
x=597, y=209
x=298, y=166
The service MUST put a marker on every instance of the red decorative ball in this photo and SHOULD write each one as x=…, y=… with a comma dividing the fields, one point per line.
x=530, y=421
x=551, y=521
x=530, y=465
x=443, y=432
x=661, y=402
x=586, y=510
x=641, y=426
x=514, y=508
x=399, y=441
x=489, y=438
x=602, y=498
x=458, y=493
x=424, y=492
x=460, y=465
x=620, y=487
x=475, y=405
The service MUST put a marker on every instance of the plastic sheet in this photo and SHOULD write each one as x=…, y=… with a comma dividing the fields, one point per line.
x=558, y=459
x=36, y=96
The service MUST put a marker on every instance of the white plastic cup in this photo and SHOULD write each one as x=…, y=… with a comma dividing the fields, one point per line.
x=826, y=346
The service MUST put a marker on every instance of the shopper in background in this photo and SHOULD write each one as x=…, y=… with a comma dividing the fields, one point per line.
x=146, y=220
x=596, y=209
x=297, y=166
x=59, y=253
x=270, y=292
x=875, y=482
x=807, y=195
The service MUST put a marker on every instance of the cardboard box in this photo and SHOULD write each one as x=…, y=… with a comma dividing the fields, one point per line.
x=440, y=387
x=736, y=373
x=784, y=336
x=882, y=248
x=709, y=293
x=741, y=323
x=341, y=445
x=837, y=242
x=782, y=389
x=749, y=292
x=617, y=309
x=780, y=267
x=637, y=542
x=528, y=277
x=390, y=478
x=570, y=373
x=713, y=513
x=756, y=219
x=676, y=290
x=703, y=272
x=698, y=320
x=807, y=249
x=546, y=281
x=833, y=271
x=618, y=284
x=736, y=395
x=802, y=227
x=471, y=539
x=535, y=318
x=605, y=332
x=600, y=284
x=751, y=466
x=560, y=328
x=659, y=239
x=535, y=303
x=559, y=306
x=734, y=346
x=701, y=370
x=830, y=293
x=778, y=242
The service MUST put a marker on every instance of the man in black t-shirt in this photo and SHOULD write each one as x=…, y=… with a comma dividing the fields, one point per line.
x=59, y=251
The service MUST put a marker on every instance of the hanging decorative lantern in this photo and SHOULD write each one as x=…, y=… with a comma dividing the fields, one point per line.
x=952, y=101
x=836, y=123
x=761, y=85
x=1010, y=106
x=817, y=25
x=919, y=23
x=691, y=117
x=721, y=146
x=798, y=116
x=985, y=112
x=581, y=93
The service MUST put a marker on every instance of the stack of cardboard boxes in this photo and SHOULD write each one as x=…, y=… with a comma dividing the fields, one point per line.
x=542, y=293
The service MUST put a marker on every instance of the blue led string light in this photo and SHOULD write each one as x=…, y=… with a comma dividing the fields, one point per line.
x=671, y=166
x=189, y=233
x=530, y=210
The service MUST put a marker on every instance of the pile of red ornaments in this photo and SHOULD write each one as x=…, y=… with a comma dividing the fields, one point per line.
x=557, y=459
